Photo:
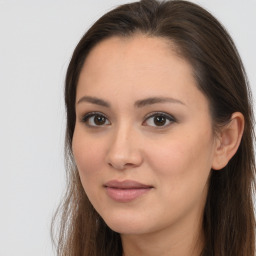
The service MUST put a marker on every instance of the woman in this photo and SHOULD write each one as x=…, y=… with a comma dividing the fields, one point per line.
x=159, y=141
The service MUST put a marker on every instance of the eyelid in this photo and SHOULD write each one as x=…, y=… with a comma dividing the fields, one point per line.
x=169, y=117
x=88, y=115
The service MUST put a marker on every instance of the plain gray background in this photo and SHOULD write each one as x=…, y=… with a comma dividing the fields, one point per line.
x=36, y=42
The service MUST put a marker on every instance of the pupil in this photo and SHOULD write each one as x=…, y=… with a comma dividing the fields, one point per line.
x=159, y=120
x=99, y=120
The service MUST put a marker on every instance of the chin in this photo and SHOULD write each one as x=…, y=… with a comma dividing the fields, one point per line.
x=126, y=229
x=126, y=225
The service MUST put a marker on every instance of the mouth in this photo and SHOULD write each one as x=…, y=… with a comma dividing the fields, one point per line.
x=126, y=191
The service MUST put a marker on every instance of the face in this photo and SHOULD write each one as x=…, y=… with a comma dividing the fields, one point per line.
x=143, y=140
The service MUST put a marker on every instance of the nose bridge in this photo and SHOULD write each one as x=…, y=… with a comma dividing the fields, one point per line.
x=124, y=150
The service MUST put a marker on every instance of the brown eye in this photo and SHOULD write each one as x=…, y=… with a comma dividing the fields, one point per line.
x=159, y=120
x=99, y=120
x=95, y=120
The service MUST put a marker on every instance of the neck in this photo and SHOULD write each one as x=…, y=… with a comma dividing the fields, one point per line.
x=176, y=241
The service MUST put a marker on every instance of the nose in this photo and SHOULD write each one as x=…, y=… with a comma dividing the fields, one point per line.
x=124, y=149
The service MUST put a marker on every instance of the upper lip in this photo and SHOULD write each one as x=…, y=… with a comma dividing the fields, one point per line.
x=126, y=184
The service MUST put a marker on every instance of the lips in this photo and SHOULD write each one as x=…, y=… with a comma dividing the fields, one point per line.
x=126, y=191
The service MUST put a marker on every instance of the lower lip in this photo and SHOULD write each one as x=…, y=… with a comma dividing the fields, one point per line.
x=126, y=195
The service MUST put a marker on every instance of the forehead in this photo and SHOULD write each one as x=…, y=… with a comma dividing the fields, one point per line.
x=139, y=50
x=137, y=67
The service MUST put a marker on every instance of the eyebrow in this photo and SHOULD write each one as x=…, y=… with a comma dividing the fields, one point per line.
x=154, y=100
x=138, y=103
x=94, y=100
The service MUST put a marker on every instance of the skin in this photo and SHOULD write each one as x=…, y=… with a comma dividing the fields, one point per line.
x=175, y=158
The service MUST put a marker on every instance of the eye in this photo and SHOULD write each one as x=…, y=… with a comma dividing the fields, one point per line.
x=159, y=119
x=95, y=119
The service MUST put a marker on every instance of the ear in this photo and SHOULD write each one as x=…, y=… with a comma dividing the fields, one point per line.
x=228, y=141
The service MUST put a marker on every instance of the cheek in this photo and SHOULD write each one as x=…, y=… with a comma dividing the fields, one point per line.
x=181, y=170
x=183, y=161
x=88, y=156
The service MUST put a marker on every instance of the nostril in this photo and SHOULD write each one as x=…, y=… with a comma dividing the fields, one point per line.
x=117, y=166
x=120, y=166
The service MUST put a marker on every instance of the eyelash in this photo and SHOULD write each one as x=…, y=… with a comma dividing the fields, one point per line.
x=167, y=117
x=86, y=118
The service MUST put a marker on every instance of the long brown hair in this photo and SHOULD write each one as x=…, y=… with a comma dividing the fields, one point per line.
x=229, y=219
